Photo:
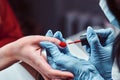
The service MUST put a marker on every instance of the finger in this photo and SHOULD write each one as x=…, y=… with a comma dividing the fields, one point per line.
x=37, y=39
x=49, y=58
x=111, y=36
x=107, y=34
x=61, y=74
x=45, y=77
x=59, y=36
x=49, y=33
x=87, y=48
x=51, y=62
x=44, y=57
x=51, y=48
x=93, y=39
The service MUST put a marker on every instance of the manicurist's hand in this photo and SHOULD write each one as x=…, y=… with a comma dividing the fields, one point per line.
x=61, y=59
x=101, y=53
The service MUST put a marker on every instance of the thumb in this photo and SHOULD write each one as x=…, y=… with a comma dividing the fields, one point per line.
x=62, y=75
x=93, y=39
x=52, y=49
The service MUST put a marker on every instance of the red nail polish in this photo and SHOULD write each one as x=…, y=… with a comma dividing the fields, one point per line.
x=62, y=44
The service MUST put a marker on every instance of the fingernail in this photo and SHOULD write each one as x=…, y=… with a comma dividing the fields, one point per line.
x=62, y=44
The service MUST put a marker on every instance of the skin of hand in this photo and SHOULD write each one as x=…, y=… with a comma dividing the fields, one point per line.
x=27, y=49
x=61, y=59
x=101, y=53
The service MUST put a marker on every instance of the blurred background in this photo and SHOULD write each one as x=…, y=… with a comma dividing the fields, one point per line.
x=67, y=16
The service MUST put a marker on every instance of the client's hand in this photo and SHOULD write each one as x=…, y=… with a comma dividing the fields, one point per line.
x=27, y=49
x=61, y=59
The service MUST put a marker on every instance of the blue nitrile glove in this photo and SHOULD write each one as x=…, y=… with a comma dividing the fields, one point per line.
x=49, y=58
x=59, y=36
x=101, y=53
x=61, y=59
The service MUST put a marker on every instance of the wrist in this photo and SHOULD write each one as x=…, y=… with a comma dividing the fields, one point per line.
x=88, y=74
x=6, y=59
x=105, y=70
x=7, y=52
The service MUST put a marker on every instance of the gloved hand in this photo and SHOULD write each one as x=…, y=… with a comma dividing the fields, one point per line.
x=60, y=58
x=101, y=53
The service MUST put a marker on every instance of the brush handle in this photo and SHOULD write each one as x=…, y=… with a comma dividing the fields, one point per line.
x=84, y=41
